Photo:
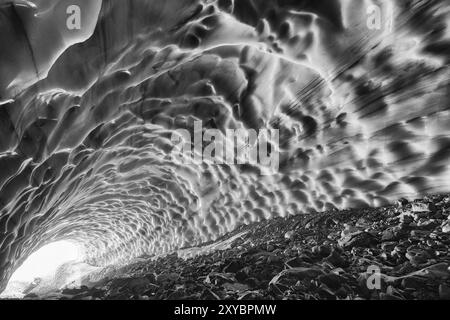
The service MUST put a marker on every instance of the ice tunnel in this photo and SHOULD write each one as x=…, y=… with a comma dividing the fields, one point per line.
x=89, y=109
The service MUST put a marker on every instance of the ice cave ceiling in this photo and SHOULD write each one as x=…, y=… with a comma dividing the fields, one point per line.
x=86, y=116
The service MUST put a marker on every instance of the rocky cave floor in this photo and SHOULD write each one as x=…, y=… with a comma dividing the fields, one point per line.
x=320, y=256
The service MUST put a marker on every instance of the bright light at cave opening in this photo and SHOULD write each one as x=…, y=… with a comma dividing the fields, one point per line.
x=46, y=260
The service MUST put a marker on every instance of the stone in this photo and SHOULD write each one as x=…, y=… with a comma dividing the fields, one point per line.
x=364, y=290
x=417, y=256
x=322, y=250
x=166, y=277
x=233, y=267
x=439, y=271
x=138, y=284
x=325, y=292
x=362, y=223
x=421, y=207
x=413, y=283
x=349, y=230
x=252, y=282
x=298, y=273
x=342, y=293
x=389, y=235
x=289, y=235
x=427, y=224
x=336, y=259
x=235, y=287
x=291, y=252
x=444, y=292
x=243, y=274
x=358, y=239
x=393, y=292
x=333, y=281
x=406, y=219
x=446, y=227
x=273, y=259
x=388, y=246
x=386, y=296
x=402, y=202
x=295, y=262
x=217, y=278
x=419, y=234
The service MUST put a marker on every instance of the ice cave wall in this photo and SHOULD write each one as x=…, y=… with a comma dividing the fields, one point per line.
x=86, y=116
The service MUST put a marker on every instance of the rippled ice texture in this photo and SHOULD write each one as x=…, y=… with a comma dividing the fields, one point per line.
x=86, y=116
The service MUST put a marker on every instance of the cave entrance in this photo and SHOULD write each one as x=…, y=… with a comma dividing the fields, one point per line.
x=42, y=268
